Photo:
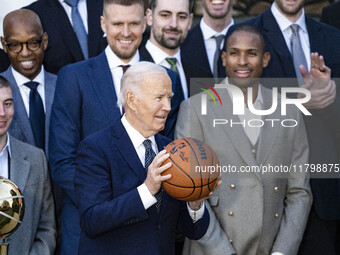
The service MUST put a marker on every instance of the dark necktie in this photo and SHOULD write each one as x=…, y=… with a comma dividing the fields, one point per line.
x=78, y=27
x=172, y=62
x=125, y=68
x=218, y=40
x=36, y=115
x=149, y=156
x=297, y=52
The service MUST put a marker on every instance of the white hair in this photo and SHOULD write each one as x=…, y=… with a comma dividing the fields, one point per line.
x=134, y=76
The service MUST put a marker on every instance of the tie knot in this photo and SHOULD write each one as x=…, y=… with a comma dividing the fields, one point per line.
x=295, y=28
x=72, y=3
x=171, y=61
x=147, y=144
x=219, y=39
x=32, y=85
x=124, y=67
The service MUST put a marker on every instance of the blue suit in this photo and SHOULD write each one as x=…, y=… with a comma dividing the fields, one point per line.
x=21, y=127
x=323, y=127
x=112, y=216
x=4, y=61
x=330, y=14
x=85, y=102
x=63, y=47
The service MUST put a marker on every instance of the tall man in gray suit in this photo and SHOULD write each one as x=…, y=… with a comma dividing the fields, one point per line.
x=253, y=212
x=33, y=88
x=26, y=166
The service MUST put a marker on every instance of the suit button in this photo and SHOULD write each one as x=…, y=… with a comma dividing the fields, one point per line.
x=253, y=151
x=230, y=213
x=276, y=215
x=231, y=241
x=276, y=189
x=232, y=186
x=158, y=227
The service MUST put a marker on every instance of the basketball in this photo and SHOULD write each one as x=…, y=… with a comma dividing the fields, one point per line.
x=194, y=169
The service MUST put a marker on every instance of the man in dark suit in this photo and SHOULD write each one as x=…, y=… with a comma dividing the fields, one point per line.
x=118, y=179
x=323, y=126
x=200, y=46
x=4, y=61
x=64, y=47
x=330, y=15
x=25, y=42
x=86, y=101
x=170, y=22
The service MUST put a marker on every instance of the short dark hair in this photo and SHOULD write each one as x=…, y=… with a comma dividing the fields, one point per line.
x=4, y=83
x=153, y=4
x=124, y=2
x=249, y=29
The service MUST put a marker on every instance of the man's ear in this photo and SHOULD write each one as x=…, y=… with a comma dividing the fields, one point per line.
x=265, y=59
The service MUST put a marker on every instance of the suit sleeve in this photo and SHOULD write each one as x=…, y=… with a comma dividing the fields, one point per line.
x=65, y=133
x=215, y=238
x=298, y=199
x=45, y=238
x=101, y=211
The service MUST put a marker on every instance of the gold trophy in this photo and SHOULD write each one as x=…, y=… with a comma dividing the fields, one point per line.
x=11, y=210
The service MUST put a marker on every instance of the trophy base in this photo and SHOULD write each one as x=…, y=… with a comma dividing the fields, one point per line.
x=3, y=248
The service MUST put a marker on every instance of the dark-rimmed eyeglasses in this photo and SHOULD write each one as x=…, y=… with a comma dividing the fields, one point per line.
x=32, y=45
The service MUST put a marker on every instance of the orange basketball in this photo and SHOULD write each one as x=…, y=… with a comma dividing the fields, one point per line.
x=194, y=169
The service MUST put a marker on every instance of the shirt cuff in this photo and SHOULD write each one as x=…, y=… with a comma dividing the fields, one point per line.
x=147, y=198
x=277, y=253
x=196, y=215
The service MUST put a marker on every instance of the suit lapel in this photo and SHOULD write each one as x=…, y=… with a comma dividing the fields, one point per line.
x=276, y=41
x=101, y=79
x=50, y=84
x=65, y=29
x=19, y=165
x=20, y=114
x=314, y=29
x=145, y=55
x=128, y=152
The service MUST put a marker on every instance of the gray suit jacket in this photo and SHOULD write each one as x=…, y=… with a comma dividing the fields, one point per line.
x=251, y=213
x=21, y=127
x=37, y=233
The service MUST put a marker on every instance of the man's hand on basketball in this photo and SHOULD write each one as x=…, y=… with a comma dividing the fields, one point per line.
x=196, y=205
x=319, y=83
x=154, y=178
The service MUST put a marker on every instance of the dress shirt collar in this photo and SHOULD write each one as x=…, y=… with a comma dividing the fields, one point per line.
x=259, y=98
x=7, y=147
x=136, y=137
x=115, y=61
x=285, y=23
x=21, y=80
x=159, y=55
x=208, y=32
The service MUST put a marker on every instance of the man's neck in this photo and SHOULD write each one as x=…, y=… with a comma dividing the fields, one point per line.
x=170, y=52
x=217, y=24
x=3, y=141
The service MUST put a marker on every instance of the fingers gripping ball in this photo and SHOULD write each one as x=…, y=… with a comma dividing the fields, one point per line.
x=194, y=169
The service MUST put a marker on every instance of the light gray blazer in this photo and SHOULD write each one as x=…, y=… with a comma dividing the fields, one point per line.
x=251, y=213
x=21, y=127
x=37, y=233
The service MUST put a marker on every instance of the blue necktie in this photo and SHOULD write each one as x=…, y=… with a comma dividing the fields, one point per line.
x=37, y=115
x=149, y=156
x=297, y=52
x=78, y=27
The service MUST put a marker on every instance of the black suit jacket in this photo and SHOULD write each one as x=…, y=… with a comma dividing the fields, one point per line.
x=4, y=61
x=330, y=15
x=63, y=47
x=323, y=127
x=191, y=68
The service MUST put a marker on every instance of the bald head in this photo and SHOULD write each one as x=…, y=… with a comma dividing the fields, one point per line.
x=22, y=17
x=24, y=41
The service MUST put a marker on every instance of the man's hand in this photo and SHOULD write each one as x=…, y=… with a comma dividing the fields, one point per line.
x=318, y=82
x=154, y=178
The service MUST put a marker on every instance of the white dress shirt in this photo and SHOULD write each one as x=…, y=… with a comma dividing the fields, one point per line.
x=210, y=42
x=116, y=69
x=137, y=140
x=4, y=158
x=252, y=132
x=159, y=57
x=25, y=91
x=82, y=8
x=285, y=24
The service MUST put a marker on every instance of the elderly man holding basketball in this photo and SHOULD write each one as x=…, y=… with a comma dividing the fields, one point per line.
x=118, y=178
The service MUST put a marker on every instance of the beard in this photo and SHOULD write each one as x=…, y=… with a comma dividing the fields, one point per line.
x=169, y=43
x=289, y=11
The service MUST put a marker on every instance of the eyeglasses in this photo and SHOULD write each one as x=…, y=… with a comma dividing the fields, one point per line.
x=16, y=47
